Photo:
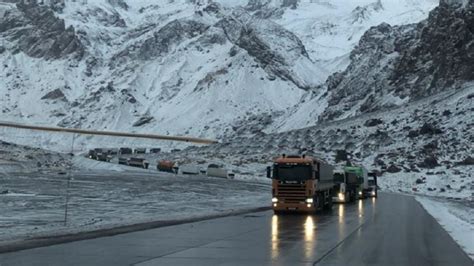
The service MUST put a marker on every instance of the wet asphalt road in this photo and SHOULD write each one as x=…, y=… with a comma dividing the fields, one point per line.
x=390, y=230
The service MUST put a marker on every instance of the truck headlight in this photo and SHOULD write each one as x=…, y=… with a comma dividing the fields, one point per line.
x=274, y=200
x=309, y=200
x=360, y=192
x=340, y=196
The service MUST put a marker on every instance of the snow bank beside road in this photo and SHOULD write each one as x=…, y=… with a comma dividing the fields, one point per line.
x=457, y=220
x=33, y=204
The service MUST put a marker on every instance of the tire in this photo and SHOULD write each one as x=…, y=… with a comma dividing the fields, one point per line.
x=328, y=206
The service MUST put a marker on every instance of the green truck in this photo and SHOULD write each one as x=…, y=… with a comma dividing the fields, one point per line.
x=361, y=172
x=346, y=186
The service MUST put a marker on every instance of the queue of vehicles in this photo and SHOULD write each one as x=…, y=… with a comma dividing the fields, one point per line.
x=212, y=170
x=299, y=183
x=307, y=184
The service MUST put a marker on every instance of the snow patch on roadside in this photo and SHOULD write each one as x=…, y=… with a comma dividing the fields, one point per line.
x=457, y=221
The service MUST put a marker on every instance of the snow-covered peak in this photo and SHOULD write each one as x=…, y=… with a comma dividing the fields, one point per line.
x=202, y=68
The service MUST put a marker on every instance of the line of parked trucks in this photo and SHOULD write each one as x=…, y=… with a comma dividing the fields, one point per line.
x=308, y=184
x=106, y=155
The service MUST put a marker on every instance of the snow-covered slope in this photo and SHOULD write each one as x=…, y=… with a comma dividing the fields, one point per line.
x=182, y=67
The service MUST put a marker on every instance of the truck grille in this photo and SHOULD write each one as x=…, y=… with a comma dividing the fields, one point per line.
x=292, y=193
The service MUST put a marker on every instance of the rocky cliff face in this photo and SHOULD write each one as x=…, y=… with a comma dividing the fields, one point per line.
x=203, y=68
x=393, y=65
x=35, y=30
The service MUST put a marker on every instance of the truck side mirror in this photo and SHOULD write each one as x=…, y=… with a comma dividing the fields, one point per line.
x=269, y=172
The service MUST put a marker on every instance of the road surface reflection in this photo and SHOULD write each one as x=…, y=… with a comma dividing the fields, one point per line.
x=303, y=228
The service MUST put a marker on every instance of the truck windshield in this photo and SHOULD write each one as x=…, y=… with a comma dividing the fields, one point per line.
x=338, y=178
x=290, y=172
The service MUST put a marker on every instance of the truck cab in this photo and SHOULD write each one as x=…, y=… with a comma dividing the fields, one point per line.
x=362, y=177
x=372, y=182
x=300, y=184
x=345, y=186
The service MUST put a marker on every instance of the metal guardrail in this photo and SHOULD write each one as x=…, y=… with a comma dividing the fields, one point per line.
x=109, y=133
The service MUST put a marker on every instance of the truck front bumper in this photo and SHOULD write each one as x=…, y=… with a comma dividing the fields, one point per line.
x=293, y=207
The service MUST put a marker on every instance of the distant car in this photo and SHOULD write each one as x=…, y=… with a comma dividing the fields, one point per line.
x=92, y=155
x=123, y=161
x=125, y=151
x=155, y=150
x=140, y=151
x=103, y=157
x=113, y=151
x=138, y=162
x=175, y=150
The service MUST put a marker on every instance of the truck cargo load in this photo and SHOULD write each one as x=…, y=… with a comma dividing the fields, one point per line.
x=138, y=162
x=372, y=182
x=165, y=166
x=215, y=170
x=189, y=169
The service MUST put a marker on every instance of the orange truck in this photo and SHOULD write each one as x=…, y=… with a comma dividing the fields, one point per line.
x=166, y=166
x=301, y=184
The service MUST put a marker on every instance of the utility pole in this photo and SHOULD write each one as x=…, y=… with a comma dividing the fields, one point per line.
x=69, y=176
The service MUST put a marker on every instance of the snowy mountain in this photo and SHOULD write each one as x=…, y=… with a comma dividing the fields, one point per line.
x=201, y=68
x=405, y=63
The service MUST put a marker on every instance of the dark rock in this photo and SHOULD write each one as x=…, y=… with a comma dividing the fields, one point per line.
x=413, y=134
x=131, y=98
x=429, y=129
x=233, y=51
x=429, y=162
x=419, y=181
x=54, y=95
x=143, y=120
x=373, y=122
x=40, y=33
x=119, y=3
x=467, y=161
x=341, y=156
x=446, y=113
x=2, y=49
x=393, y=169
x=162, y=41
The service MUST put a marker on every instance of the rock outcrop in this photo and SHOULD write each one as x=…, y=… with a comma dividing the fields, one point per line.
x=35, y=30
x=396, y=64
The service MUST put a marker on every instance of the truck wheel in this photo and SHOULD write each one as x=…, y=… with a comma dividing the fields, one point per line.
x=328, y=205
